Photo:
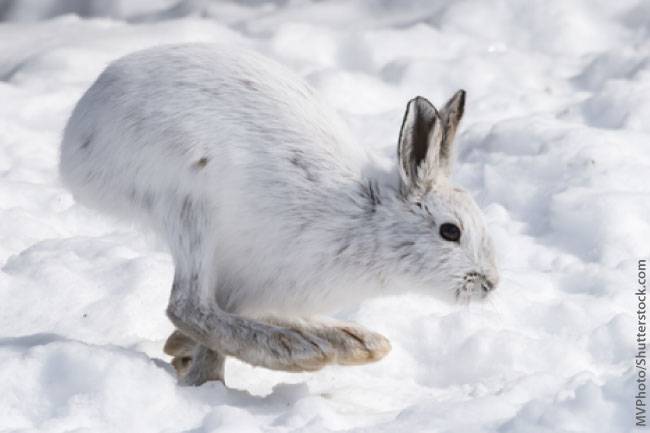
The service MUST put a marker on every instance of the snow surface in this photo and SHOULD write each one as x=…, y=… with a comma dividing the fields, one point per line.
x=554, y=146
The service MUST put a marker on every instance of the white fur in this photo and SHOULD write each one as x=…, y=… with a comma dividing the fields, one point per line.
x=266, y=202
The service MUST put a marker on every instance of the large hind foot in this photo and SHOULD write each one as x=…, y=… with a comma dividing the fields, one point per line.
x=353, y=344
x=252, y=341
x=194, y=364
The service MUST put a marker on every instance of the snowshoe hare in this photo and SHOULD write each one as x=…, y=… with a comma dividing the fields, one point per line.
x=272, y=213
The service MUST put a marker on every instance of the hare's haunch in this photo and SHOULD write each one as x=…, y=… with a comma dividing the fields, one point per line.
x=273, y=214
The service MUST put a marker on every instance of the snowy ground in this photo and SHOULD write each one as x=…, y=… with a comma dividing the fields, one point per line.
x=554, y=145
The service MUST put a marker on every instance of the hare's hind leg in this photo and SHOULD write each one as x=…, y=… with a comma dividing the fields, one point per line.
x=254, y=342
x=194, y=312
x=352, y=343
x=195, y=364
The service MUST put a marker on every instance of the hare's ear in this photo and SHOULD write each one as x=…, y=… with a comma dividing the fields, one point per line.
x=451, y=114
x=420, y=139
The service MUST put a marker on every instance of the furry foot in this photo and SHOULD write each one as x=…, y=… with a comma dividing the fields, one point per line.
x=296, y=350
x=194, y=364
x=252, y=341
x=353, y=344
x=179, y=345
x=356, y=345
x=297, y=345
x=290, y=350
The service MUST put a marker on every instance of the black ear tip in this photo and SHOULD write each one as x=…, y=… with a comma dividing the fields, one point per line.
x=458, y=101
x=420, y=101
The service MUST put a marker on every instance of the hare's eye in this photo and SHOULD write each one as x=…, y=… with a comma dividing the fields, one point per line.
x=450, y=232
x=418, y=204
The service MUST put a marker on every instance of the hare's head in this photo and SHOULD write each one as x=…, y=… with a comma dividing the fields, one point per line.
x=443, y=242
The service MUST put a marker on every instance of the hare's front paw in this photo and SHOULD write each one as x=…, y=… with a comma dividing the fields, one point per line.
x=194, y=364
x=179, y=344
x=180, y=347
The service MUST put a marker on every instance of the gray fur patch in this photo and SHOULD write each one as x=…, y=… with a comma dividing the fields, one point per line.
x=147, y=199
x=371, y=195
x=86, y=142
x=298, y=161
x=343, y=249
x=201, y=163
x=190, y=237
x=186, y=209
x=250, y=85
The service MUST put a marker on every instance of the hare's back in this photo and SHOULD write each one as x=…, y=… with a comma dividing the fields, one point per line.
x=191, y=117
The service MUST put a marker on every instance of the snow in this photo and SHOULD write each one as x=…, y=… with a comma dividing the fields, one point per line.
x=553, y=146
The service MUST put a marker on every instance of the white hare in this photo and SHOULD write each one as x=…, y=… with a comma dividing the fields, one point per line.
x=272, y=213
